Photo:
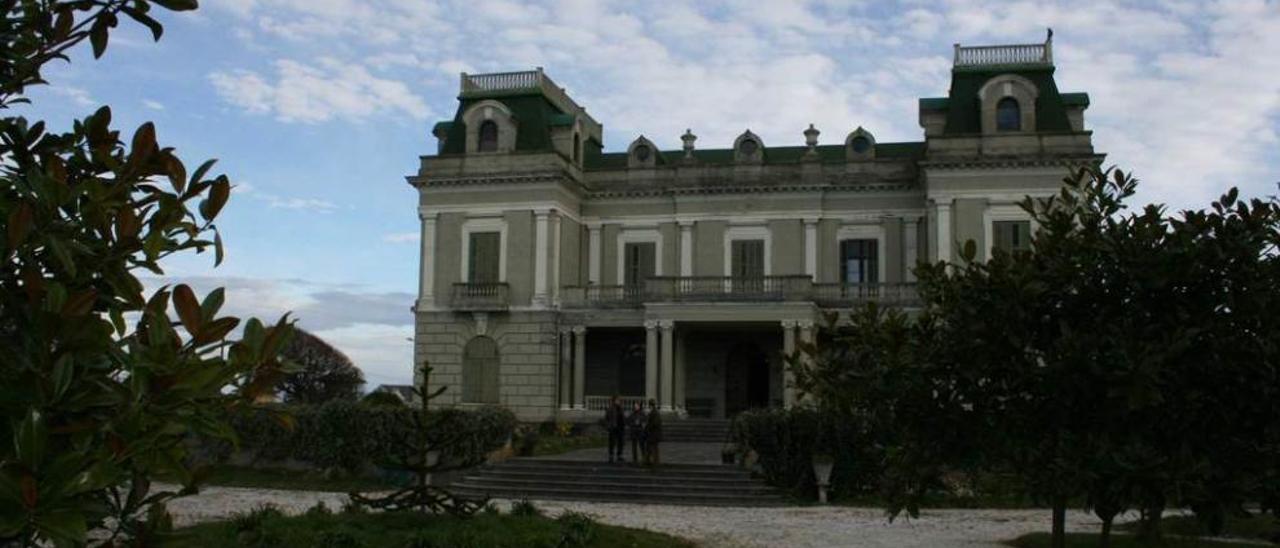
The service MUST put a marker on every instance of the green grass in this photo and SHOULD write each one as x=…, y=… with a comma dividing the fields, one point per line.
x=1090, y=540
x=297, y=480
x=408, y=530
x=558, y=445
x=1258, y=527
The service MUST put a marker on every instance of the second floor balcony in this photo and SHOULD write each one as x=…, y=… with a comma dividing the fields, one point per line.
x=737, y=289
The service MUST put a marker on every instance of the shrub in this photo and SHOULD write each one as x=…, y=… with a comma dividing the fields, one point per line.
x=525, y=508
x=785, y=441
x=382, y=399
x=577, y=529
x=351, y=435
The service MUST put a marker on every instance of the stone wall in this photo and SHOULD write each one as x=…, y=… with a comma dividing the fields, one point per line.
x=527, y=356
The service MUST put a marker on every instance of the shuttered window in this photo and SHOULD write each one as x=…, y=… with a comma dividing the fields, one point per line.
x=483, y=263
x=1011, y=235
x=480, y=371
x=859, y=261
x=641, y=262
x=748, y=259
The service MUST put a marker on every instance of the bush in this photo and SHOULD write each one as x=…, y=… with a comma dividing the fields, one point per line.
x=349, y=435
x=525, y=508
x=382, y=399
x=785, y=441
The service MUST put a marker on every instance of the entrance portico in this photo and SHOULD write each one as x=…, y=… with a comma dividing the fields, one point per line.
x=699, y=359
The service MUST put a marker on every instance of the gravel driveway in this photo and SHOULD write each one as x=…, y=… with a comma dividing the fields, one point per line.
x=715, y=527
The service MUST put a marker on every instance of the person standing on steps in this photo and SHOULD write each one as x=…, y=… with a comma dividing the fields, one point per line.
x=615, y=421
x=653, y=433
x=635, y=429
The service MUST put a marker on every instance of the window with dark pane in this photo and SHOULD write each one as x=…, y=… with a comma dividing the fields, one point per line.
x=640, y=262
x=748, y=259
x=480, y=371
x=483, y=263
x=859, y=261
x=1008, y=115
x=488, y=136
x=861, y=144
x=1011, y=235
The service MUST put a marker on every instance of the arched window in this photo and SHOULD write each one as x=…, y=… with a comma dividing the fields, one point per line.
x=480, y=371
x=860, y=144
x=488, y=136
x=749, y=147
x=1008, y=115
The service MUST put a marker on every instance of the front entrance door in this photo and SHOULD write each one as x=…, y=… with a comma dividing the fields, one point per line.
x=746, y=379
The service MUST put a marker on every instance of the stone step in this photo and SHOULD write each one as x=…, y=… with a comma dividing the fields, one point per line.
x=589, y=467
x=553, y=475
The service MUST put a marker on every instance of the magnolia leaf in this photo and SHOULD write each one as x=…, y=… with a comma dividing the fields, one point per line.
x=20, y=221
x=80, y=303
x=144, y=143
x=98, y=38
x=215, y=330
x=213, y=302
x=178, y=5
x=201, y=171
x=218, y=194
x=217, y=248
x=140, y=16
x=31, y=439
x=188, y=308
x=177, y=172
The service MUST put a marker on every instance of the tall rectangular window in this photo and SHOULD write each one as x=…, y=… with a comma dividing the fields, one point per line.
x=640, y=262
x=1011, y=235
x=483, y=262
x=859, y=261
x=747, y=259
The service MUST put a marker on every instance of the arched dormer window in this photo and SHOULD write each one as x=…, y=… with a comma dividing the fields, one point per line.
x=488, y=136
x=748, y=148
x=1008, y=115
x=642, y=153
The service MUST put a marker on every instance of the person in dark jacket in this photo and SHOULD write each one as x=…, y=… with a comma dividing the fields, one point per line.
x=653, y=433
x=615, y=421
x=635, y=428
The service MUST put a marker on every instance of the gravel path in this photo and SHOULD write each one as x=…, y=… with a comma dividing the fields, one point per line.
x=714, y=527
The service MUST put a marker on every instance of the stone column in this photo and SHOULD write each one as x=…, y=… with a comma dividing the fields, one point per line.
x=580, y=367
x=788, y=346
x=680, y=372
x=555, y=259
x=911, y=253
x=668, y=366
x=426, y=271
x=811, y=248
x=686, y=248
x=540, y=249
x=595, y=253
x=650, y=360
x=943, y=232
x=806, y=336
x=566, y=368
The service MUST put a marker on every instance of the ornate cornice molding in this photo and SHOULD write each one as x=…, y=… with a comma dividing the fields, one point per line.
x=492, y=179
x=1011, y=163
x=658, y=192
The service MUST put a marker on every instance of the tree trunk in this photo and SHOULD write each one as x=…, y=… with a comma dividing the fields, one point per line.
x=1150, y=528
x=1059, y=539
x=1105, y=540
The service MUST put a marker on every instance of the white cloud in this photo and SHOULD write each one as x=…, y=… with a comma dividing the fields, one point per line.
x=318, y=93
x=401, y=237
x=284, y=202
x=79, y=96
x=153, y=104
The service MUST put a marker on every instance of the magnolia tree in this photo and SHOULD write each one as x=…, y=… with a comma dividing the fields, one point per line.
x=1130, y=360
x=103, y=384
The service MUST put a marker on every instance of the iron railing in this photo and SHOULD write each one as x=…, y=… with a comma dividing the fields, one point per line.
x=735, y=289
x=480, y=296
x=600, y=403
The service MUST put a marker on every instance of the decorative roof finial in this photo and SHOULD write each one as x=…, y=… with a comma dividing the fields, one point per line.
x=688, y=139
x=811, y=137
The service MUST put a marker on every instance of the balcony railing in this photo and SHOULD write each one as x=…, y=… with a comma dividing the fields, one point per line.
x=480, y=296
x=1015, y=54
x=735, y=289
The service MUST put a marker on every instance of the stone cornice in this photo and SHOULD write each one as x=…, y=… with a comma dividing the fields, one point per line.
x=1007, y=163
x=744, y=189
x=490, y=179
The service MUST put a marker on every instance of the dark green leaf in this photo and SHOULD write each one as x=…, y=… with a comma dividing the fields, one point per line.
x=188, y=308
x=178, y=5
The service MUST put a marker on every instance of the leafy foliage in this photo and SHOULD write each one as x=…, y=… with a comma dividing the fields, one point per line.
x=324, y=373
x=353, y=435
x=1130, y=360
x=786, y=440
x=435, y=444
x=101, y=386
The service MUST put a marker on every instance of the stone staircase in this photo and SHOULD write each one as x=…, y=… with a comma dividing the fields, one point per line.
x=684, y=484
x=695, y=430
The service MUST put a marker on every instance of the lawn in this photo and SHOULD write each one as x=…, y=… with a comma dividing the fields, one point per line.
x=1258, y=527
x=1090, y=540
x=414, y=530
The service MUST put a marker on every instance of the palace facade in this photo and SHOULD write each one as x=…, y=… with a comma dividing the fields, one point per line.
x=554, y=274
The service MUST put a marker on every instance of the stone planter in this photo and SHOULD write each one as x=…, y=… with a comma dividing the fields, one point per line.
x=822, y=465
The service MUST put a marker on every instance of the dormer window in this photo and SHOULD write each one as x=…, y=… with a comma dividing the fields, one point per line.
x=488, y=138
x=1008, y=115
x=749, y=147
x=860, y=144
x=642, y=152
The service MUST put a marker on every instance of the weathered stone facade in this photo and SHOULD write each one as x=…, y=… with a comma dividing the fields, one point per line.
x=555, y=274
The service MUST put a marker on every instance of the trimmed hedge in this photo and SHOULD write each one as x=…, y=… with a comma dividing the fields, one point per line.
x=352, y=435
x=785, y=440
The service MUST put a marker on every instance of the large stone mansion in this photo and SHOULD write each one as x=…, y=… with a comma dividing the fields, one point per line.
x=554, y=274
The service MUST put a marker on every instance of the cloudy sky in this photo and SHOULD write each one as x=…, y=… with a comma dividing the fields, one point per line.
x=317, y=109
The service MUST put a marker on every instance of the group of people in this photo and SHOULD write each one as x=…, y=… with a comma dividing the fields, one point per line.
x=643, y=426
